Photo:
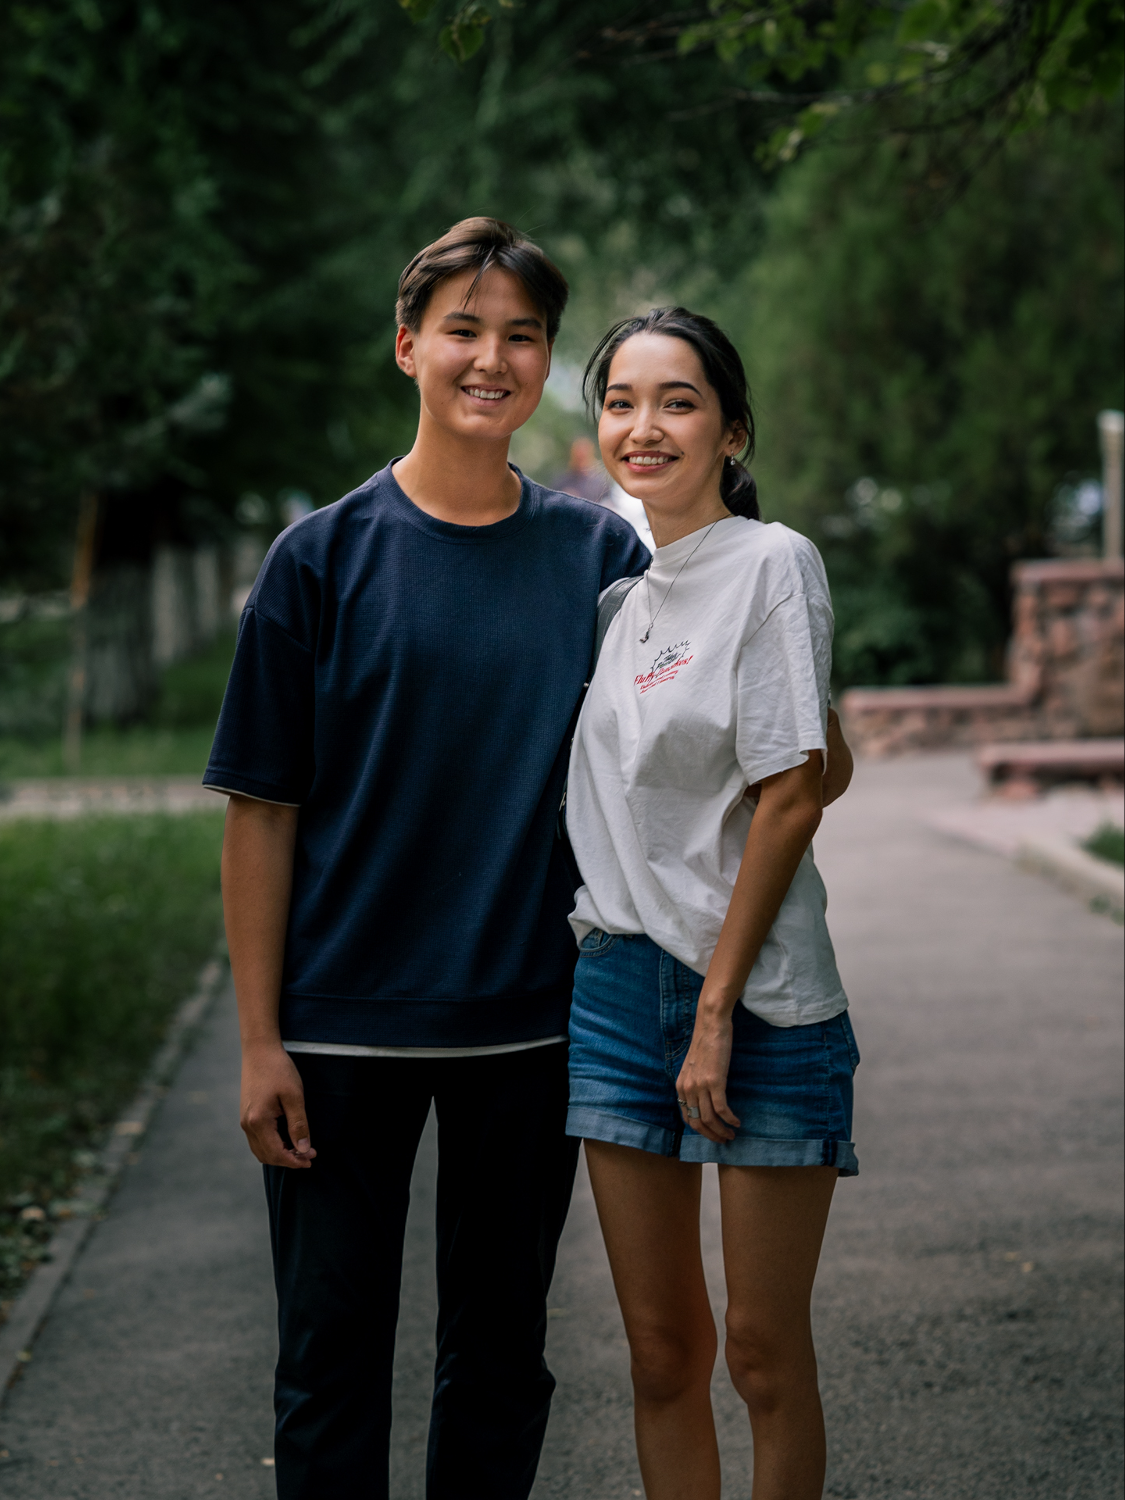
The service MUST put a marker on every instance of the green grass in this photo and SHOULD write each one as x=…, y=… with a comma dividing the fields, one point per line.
x=1107, y=843
x=141, y=750
x=105, y=923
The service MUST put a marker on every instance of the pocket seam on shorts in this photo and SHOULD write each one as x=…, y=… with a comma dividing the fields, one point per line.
x=849, y=1039
x=607, y=942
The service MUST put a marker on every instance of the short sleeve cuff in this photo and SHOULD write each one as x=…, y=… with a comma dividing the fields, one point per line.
x=246, y=786
x=779, y=763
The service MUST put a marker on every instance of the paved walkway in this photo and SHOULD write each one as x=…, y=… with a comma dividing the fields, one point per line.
x=74, y=796
x=968, y=1309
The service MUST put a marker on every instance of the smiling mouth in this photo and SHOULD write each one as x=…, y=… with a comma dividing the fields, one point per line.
x=649, y=460
x=485, y=392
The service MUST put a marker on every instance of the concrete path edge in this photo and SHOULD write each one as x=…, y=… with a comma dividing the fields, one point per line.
x=1070, y=866
x=95, y=1190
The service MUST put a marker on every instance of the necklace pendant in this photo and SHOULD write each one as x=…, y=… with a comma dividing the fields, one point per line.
x=646, y=635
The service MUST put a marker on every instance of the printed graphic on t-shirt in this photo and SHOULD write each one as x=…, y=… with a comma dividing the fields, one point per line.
x=668, y=662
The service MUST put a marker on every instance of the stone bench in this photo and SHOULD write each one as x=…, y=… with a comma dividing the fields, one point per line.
x=889, y=721
x=1028, y=767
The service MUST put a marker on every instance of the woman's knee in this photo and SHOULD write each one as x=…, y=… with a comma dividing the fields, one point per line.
x=668, y=1362
x=768, y=1365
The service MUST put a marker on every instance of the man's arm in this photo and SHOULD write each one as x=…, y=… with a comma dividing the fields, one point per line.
x=257, y=881
x=838, y=775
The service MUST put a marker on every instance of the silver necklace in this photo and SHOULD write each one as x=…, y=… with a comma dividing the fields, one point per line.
x=652, y=618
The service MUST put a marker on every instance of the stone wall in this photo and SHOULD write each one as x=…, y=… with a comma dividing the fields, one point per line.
x=1068, y=645
x=1066, y=672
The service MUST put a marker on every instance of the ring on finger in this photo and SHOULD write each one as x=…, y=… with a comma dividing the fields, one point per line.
x=692, y=1112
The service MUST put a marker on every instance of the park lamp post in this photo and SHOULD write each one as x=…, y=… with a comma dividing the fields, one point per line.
x=1111, y=429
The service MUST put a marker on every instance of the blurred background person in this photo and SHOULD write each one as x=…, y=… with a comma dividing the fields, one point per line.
x=583, y=475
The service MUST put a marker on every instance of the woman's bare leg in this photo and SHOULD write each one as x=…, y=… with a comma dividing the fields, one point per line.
x=773, y=1225
x=649, y=1211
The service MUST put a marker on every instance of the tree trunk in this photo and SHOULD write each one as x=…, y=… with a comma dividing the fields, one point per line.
x=79, y=638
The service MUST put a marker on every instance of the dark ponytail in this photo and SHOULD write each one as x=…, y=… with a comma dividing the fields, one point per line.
x=725, y=375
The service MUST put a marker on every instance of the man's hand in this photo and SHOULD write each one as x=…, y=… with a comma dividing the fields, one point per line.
x=272, y=1090
x=838, y=775
x=257, y=879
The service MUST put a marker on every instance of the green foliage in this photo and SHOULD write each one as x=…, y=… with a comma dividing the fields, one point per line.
x=1067, y=50
x=962, y=69
x=175, y=740
x=106, y=922
x=191, y=691
x=33, y=660
x=926, y=380
x=204, y=212
x=112, y=268
x=1107, y=843
x=465, y=33
x=138, y=750
x=170, y=209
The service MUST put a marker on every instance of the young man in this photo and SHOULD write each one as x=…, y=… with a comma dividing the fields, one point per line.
x=394, y=739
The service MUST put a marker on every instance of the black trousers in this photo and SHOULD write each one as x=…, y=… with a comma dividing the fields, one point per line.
x=505, y=1174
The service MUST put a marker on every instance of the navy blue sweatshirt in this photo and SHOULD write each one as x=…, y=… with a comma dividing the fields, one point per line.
x=411, y=685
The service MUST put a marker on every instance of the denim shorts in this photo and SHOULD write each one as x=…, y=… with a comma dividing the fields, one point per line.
x=630, y=1027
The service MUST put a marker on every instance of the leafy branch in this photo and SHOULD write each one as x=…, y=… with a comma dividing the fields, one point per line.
x=927, y=66
x=463, y=33
x=931, y=65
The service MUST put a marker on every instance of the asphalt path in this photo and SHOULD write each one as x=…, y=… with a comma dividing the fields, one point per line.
x=968, y=1310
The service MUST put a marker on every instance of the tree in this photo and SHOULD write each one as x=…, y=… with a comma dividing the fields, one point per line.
x=203, y=213
x=167, y=201
x=964, y=74
x=926, y=382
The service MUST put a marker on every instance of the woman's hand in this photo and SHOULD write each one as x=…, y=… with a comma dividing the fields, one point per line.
x=702, y=1084
x=787, y=816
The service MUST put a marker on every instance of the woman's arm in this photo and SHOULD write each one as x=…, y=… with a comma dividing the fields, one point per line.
x=257, y=880
x=787, y=816
x=837, y=777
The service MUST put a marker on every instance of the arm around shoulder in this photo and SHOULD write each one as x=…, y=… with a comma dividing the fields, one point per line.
x=838, y=774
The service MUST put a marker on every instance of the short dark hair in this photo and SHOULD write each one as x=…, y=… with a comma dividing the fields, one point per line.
x=725, y=374
x=478, y=244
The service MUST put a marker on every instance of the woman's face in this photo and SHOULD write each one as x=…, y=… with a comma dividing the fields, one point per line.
x=663, y=435
x=480, y=360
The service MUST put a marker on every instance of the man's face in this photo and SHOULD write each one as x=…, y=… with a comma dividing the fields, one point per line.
x=480, y=365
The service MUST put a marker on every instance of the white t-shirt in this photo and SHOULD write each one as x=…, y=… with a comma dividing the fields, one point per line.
x=731, y=686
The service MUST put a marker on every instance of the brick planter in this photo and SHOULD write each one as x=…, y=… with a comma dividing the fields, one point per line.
x=1066, y=672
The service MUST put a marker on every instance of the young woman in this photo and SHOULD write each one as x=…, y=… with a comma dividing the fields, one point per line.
x=708, y=1023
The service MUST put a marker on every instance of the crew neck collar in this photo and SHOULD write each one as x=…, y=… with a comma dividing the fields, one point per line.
x=682, y=548
x=450, y=531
